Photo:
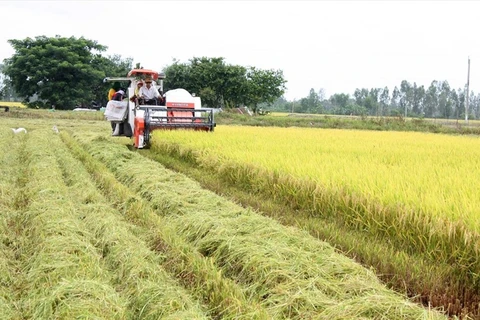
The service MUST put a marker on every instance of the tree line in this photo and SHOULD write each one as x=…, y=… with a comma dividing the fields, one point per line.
x=221, y=85
x=69, y=72
x=439, y=100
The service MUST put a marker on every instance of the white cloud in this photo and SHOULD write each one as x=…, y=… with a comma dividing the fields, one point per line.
x=335, y=45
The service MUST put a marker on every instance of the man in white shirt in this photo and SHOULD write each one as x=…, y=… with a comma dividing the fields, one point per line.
x=149, y=93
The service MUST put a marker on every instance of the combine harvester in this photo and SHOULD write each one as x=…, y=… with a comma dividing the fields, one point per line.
x=139, y=117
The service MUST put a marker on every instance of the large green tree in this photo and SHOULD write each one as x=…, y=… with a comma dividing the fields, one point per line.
x=217, y=83
x=431, y=100
x=384, y=102
x=60, y=71
x=339, y=101
x=418, y=99
x=222, y=85
x=263, y=86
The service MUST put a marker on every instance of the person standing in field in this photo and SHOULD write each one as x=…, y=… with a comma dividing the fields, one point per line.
x=118, y=127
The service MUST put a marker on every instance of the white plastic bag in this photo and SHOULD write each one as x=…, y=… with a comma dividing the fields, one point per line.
x=116, y=110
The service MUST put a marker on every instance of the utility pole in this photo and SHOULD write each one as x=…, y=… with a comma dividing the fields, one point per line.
x=468, y=92
x=293, y=104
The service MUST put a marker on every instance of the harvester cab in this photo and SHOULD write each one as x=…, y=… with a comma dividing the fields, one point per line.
x=137, y=116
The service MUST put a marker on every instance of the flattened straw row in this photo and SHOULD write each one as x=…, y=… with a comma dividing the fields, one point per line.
x=64, y=274
x=296, y=275
x=8, y=172
x=225, y=299
x=137, y=273
x=151, y=292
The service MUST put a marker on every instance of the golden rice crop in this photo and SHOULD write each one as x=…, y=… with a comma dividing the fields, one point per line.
x=348, y=178
x=432, y=173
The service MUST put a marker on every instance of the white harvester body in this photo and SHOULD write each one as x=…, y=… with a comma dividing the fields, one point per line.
x=137, y=118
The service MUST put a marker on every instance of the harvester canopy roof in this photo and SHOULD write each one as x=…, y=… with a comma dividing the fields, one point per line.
x=145, y=73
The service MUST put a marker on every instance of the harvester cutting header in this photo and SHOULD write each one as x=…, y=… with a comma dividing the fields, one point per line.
x=144, y=108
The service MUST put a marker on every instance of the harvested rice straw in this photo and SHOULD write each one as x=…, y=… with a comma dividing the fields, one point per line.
x=65, y=276
x=294, y=274
x=137, y=273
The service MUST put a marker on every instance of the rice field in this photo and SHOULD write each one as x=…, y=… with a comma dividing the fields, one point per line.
x=91, y=229
x=410, y=198
x=431, y=173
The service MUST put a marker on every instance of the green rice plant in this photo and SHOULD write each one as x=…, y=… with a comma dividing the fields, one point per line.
x=6, y=308
x=6, y=276
x=151, y=292
x=291, y=273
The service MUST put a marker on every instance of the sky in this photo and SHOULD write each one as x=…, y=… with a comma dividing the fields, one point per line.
x=337, y=46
